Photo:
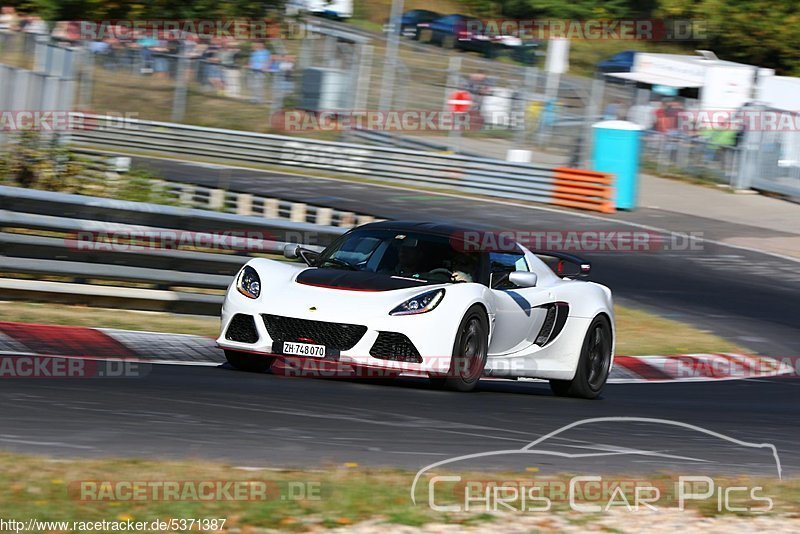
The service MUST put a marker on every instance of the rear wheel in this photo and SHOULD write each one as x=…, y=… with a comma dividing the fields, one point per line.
x=245, y=361
x=469, y=353
x=593, y=366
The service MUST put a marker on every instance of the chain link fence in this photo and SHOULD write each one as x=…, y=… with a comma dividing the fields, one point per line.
x=331, y=68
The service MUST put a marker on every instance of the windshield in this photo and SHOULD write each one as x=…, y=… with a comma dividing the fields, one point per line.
x=406, y=254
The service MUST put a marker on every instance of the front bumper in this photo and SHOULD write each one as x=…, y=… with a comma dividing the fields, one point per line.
x=432, y=335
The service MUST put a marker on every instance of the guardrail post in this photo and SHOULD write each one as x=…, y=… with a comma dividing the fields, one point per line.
x=186, y=197
x=324, y=216
x=298, y=212
x=347, y=219
x=271, y=208
x=216, y=199
x=244, y=204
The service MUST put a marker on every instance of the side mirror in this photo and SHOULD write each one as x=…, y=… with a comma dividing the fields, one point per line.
x=291, y=251
x=523, y=279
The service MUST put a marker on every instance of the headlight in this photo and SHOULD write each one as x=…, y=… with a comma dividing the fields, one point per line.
x=420, y=304
x=249, y=284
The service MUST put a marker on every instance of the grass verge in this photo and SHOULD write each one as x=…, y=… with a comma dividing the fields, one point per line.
x=294, y=500
x=638, y=332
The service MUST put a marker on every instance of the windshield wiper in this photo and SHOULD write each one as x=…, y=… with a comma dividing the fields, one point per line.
x=336, y=261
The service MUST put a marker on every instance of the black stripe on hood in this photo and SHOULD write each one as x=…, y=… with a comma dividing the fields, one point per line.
x=356, y=280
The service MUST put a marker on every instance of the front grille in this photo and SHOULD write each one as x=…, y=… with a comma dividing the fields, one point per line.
x=338, y=336
x=242, y=328
x=395, y=347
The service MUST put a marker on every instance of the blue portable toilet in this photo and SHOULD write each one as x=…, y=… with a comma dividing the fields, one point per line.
x=616, y=148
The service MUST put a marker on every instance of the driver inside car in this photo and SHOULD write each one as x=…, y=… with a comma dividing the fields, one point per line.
x=409, y=258
x=464, y=268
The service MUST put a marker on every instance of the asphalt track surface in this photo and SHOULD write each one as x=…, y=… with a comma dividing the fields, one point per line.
x=221, y=414
x=248, y=419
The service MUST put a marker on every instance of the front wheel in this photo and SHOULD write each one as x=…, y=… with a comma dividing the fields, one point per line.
x=245, y=361
x=469, y=353
x=593, y=365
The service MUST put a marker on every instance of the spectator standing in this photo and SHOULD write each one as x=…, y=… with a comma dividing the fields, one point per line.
x=260, y=60
x=35, y=25
x=230, y=74
x=145, y=44
x=9, y=20
x=660, y=117
x=160, y=53
x=211, y=60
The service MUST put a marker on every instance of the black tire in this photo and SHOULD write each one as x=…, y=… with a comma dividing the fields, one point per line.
x=245, y=361
x=470, y=349
x=593, y=366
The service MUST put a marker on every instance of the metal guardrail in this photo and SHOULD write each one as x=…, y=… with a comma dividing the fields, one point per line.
x=373, y=137
x=468, y=174
x=70, y=248
x=105, y=177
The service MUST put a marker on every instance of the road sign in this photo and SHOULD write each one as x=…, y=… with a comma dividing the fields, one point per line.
x=459, y=101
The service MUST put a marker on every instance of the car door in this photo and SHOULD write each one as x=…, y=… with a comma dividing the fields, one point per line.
x=518, y=312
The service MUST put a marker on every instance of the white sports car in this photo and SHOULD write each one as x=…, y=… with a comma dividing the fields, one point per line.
x=424, y=298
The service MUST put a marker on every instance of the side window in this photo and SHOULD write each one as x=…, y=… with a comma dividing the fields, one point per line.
x=502, y=263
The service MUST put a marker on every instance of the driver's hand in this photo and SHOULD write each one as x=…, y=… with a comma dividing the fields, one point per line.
x=459, y=276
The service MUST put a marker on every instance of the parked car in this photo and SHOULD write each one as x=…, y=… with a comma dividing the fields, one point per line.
x=411, y=19
x=464, y=32
x=622, y=62
x=332, y=9
x=448, y=31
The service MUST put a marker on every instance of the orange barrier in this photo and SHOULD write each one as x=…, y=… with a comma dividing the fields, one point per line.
x=579, y=188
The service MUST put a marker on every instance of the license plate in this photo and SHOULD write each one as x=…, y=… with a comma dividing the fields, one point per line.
x=303, y=349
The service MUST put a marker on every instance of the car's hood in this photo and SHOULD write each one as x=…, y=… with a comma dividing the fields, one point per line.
x=356, y=280
x=295, y=290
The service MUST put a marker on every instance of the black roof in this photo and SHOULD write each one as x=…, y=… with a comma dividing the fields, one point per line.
x=488, y=242
x=422, y=227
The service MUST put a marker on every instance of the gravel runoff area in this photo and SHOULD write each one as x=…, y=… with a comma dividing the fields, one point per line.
x=668, y=520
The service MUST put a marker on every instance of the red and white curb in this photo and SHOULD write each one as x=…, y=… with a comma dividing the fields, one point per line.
x=22, y=339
